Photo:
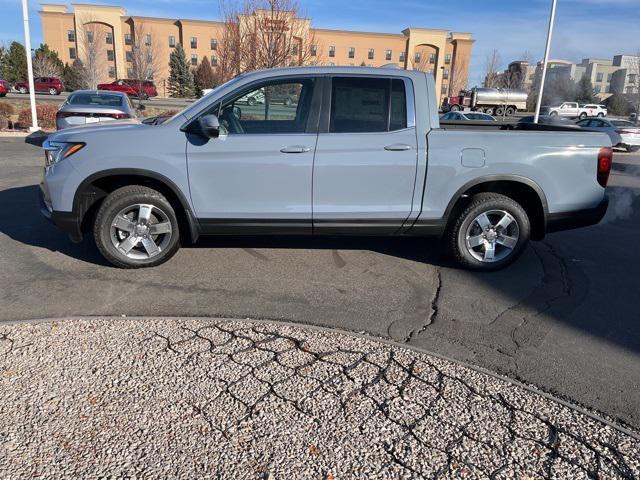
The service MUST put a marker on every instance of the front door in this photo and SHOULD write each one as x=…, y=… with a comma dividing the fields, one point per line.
x=256, y=177
x=366, y=158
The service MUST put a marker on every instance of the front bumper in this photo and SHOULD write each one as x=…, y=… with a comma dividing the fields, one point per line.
x=557, y=222
x=68, y=222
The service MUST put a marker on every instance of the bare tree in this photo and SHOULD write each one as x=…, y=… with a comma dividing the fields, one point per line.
x=45, y=66
x=263, y=34
x=492, y=76
x=459, y=74
x=145, y=63
x=93, y=53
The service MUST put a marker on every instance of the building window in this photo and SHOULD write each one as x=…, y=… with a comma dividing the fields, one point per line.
x=112, y=72
x=194, y=42
x=388, y=55
x=597, y=89
x=599, y=77
x=90, y=37
x=147, y=39
x=332, y=51
x=447, y=59
x=314, y=50
x=402, y=56
x=417, y=58
x=214, y=61
x=108, y=38
x=371, y=54
x=445, y=88
x=432, y=58
x=72, y=53
x=352, y=52
x=110, y=55
x=194, y=59
x=172, y=41
x=129, y=56
x=127, y=39
x=71, y=35
x=214, y=44
x=294, y=49
x=445, y=74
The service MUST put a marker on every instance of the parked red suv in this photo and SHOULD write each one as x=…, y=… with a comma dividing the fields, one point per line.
x=4, y=88
x=134, y=88
x=51, y=85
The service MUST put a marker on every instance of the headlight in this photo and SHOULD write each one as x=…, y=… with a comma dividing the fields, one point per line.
x=56, y=151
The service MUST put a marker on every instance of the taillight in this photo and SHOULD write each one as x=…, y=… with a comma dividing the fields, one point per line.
x=95, y=115
x=117, y=115
x=605, y=161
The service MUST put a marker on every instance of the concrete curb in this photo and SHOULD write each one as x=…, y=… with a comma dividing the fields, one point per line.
x=597, y=416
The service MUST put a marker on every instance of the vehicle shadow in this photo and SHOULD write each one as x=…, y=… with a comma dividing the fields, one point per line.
x=25, y=224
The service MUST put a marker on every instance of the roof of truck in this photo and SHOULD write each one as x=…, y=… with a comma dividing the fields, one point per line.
x=343, y=70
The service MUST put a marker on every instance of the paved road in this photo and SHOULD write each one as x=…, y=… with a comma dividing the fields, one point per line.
x=565, y=317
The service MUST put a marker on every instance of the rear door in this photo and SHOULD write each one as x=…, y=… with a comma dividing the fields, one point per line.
x=365, y=166
x=257, y=177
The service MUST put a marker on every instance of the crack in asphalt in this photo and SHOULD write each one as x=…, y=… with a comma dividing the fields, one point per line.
x=434, y=308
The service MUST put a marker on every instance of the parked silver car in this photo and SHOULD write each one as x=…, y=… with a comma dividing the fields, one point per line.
x=468, y=116
x=93, y=106
x=623, y=133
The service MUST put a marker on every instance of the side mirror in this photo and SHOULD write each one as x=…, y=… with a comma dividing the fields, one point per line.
x=209, y=126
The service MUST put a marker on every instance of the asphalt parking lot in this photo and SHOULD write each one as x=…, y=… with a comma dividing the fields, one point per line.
x=564, y=318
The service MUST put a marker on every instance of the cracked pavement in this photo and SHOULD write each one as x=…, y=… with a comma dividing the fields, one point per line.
x=564, y=317
x=197, y=398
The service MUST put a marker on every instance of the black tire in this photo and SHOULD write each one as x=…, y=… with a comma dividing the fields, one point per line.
x=553, y=114
x=251, y=101
x=456, y=238
x=115, y=203
x=582, y=116
x=600, y=115
x=23, y=90
x=500, y=111
x=454, y=108
x=510, y=111
x=488, y=111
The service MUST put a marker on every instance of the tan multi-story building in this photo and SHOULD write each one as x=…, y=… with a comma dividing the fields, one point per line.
x=72, y=30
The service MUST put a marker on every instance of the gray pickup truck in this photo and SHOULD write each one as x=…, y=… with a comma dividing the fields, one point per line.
x=355, y=151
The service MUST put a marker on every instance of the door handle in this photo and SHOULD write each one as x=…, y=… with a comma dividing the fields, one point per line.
x=397, y=147
x=295, y=149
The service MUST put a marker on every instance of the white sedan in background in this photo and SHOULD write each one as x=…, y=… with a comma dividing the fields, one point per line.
x=623, y=133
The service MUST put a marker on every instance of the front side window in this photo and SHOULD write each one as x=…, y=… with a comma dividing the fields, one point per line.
x=270, y=107
x=367, y=105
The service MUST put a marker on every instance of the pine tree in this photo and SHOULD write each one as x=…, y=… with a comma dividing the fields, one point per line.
x=584, y=91
x=204, y=77
x=73, y=77
x=180, y=82
x=14, y=63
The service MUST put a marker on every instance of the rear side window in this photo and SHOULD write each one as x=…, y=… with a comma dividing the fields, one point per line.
x=367, y=105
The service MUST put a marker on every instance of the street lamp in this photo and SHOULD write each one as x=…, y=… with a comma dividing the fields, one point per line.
x=545, y=62
x=27, y=45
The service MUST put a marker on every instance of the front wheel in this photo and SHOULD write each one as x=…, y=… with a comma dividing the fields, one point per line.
x=53, y=91
x=490, y=233
x=600, y=115
x=136, y=227
x=583, y=116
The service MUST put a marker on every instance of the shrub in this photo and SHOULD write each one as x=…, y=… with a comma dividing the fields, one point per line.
x=6, y=109
x=46, y=116
x=4, y=122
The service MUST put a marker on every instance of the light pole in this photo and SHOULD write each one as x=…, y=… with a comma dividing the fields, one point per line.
x=545, y=62
x=27, y=47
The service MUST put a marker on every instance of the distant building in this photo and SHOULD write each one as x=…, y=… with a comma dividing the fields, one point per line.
x=618, y=75
x=65, y=29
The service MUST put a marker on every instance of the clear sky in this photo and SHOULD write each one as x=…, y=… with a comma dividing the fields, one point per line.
x=584, y=28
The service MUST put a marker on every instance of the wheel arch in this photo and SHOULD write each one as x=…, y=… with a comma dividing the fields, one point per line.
x=96, y=187
x=521, y=189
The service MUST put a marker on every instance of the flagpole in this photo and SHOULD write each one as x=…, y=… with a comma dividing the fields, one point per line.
x=27, y=46
x=545, y=62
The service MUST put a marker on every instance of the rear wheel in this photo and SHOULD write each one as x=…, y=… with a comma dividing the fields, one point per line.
x=600, y=115
x=553, y=114
x=23, y=90
x=136, y=227
x=583, y=115
x=455, y=108
x=490, y=233
x=511, y=111
x=53, y=91
x=251, y=101
x=488, y=111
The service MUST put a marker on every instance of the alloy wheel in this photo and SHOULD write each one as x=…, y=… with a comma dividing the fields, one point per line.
x=141, y=231
x=492, y=236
